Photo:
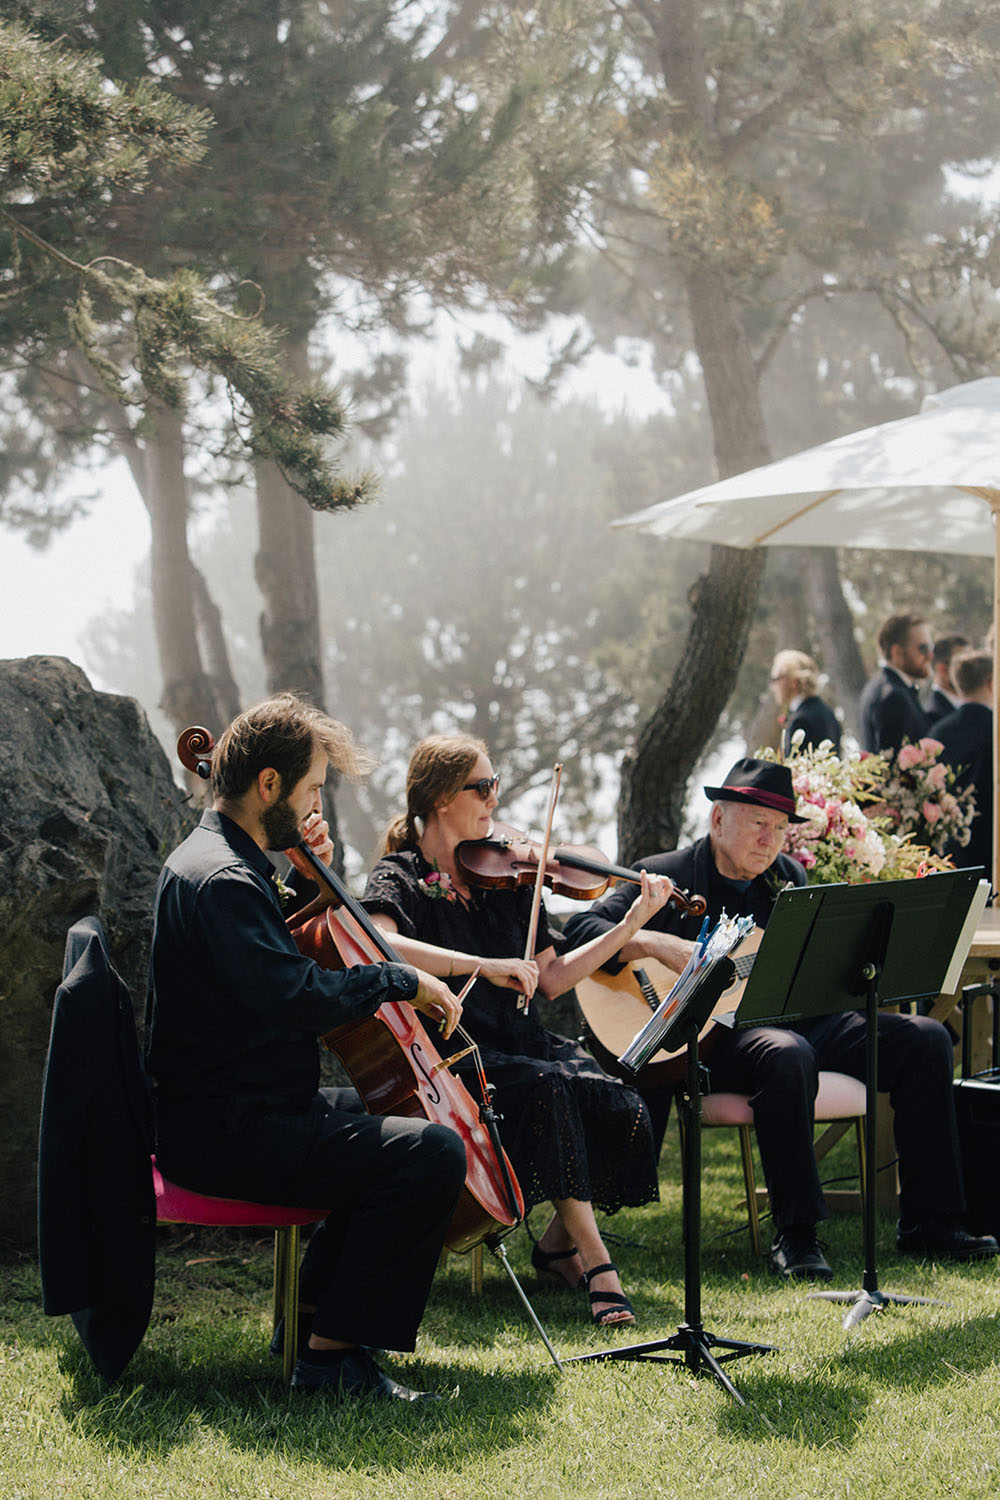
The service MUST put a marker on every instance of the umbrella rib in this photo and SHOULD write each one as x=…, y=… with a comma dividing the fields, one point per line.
x=788, y=521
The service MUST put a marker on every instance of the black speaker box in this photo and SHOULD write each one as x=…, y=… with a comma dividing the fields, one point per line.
x=977, y=1105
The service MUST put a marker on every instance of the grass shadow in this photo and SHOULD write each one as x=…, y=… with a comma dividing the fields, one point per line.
x=162, y=1406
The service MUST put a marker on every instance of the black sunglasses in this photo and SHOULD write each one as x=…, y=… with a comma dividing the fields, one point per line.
x=484, y=786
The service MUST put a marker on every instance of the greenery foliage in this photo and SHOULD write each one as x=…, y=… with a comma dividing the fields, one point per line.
x=70, y=146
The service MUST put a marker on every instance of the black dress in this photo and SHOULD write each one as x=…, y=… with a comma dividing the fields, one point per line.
x=570, y=1130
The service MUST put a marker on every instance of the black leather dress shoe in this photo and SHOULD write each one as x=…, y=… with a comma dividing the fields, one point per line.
x=796, y=1255
x=944, y=1239
x=355, y=1374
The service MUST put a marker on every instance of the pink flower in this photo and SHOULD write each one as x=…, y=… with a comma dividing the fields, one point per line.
x=909, y=756
x=931, y=746
x=937, y=776
x=437, y=884
x=930, y=812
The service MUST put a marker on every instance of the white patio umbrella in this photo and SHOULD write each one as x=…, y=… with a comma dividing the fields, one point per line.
x=926, y=483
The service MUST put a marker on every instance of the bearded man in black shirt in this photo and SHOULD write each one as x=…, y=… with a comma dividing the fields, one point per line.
x=235, y=1013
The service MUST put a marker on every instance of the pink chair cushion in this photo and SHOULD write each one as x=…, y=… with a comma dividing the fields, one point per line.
x=179, y=1205
x=726, y=1109
x=839, y=1097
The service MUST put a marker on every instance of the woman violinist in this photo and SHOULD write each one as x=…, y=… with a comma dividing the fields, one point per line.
x=576, y=1137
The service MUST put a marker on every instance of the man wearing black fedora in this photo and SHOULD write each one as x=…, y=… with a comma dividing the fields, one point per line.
x=739, y=868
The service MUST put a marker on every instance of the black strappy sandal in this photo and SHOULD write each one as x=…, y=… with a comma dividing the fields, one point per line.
x=542, y=1262
x=620, y=1303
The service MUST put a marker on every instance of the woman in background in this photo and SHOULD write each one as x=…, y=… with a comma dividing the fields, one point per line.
x=795, y=685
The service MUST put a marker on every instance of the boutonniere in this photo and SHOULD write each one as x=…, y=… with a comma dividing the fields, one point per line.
x=437, y=885
x=285, y=893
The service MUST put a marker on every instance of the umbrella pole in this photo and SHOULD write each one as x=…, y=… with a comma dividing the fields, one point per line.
x=994, y=499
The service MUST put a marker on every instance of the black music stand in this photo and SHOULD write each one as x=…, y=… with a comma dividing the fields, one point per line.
x=832, y=948
x=693, y=1343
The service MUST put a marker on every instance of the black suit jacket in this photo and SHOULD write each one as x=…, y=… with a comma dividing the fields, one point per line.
x=96, y=1204
x=967, y=737
x=938, y=706
x=890, y=712
x=818, y=722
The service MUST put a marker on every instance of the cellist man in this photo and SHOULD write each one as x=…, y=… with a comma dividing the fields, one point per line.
x=235, y=1013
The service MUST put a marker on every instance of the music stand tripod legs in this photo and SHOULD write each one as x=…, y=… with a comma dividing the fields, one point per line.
x=869, y=1298
x=694, y=1345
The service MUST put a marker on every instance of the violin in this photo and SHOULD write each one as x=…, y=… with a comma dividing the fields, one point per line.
x=507, y=859
x=389, y=1056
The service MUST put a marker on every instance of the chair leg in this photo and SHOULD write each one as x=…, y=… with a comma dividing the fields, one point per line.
x=750, y=1184
x=476, y=1270
x=859, y=1135
x=285, y=1298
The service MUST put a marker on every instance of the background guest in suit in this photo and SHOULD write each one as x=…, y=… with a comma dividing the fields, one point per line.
x=940, y=696
x=890, y=711
x=795, y=685
x=967, y=737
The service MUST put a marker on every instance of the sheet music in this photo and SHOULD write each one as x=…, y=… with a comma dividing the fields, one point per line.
x=711, y=946
x=977, y=906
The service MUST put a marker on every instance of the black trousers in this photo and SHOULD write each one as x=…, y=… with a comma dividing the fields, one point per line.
x=391, y=1185
x=779, y=1067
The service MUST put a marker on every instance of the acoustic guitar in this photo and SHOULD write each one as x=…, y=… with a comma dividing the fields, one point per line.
x=615, y=1007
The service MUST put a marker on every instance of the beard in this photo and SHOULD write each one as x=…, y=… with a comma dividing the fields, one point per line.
x=280, y=825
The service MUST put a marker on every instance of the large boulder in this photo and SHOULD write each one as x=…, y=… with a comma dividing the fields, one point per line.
x=88, y=811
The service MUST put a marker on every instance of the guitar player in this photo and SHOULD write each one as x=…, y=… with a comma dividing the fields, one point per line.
x=739, y=868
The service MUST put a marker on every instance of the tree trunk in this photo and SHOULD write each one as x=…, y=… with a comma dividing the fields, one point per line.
x=181, y=599
x=834, y=625
x=654, y=779
x=654, y=776
x=216, y=653
x=286, y=575
x=291, y=640
x=188, y=694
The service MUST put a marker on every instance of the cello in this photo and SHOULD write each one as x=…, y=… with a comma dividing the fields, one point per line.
x=389, y=1057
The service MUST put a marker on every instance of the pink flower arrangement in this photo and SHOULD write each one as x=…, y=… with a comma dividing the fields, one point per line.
x=918, y=796
x=849, y=833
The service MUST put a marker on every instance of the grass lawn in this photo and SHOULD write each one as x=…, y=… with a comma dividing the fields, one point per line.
x=907, y=1405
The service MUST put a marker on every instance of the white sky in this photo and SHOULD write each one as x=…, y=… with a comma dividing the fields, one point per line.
x=49, y=596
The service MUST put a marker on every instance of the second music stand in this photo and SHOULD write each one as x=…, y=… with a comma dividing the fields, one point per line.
x=840, y=947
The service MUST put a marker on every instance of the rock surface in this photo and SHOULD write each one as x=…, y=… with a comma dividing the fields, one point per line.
x=88, y=811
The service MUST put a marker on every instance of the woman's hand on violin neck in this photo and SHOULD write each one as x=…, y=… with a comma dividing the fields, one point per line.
x=654, y=892
x=519, y=974
x=435, y=1000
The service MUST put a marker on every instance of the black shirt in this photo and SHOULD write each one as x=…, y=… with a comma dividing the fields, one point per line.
x=235, y=1008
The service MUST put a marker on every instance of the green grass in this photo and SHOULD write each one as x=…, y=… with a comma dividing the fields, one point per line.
x=907, y=1405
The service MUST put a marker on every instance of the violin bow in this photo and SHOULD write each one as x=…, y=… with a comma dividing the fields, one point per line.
x=536, y=899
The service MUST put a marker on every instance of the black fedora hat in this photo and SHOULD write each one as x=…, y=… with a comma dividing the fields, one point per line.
x=762, y=782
